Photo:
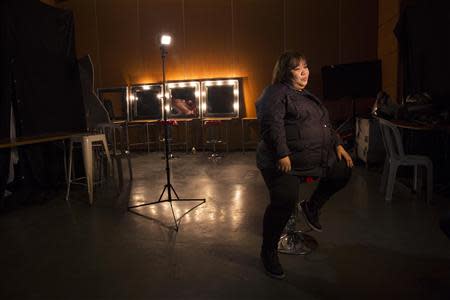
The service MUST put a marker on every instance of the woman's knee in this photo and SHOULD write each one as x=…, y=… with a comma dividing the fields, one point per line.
x=283, y=199
x=341, y=171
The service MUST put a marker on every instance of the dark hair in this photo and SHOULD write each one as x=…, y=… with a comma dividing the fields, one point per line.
x=287, y=61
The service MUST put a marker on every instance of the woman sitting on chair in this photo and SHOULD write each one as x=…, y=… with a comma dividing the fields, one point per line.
x=297, y=142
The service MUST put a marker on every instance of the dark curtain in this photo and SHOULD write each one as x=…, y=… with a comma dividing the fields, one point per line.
x=44, y=69
x=40, y=78
x=423, y=32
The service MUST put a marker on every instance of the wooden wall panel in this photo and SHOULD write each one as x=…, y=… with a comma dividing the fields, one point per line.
x=312, y=27
x=221, y=38
x=359, y=30
x=155, y=18
x=208, y=38
x=118, y=43
x=388, y=51
x=86, y=35
x=258, y=42
x=387, y=10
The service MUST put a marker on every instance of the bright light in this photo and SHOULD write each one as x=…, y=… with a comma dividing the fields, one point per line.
x=146, y=87
x=167, y=107
x=166, y=40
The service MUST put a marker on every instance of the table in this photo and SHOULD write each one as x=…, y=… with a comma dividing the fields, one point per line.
x=20, y=141
x=30, y=140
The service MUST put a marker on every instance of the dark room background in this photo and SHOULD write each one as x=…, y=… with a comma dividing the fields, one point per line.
x=221, y=38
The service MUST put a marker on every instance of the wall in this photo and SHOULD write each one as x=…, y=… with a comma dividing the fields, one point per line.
x=221, y=38
x=388, y=51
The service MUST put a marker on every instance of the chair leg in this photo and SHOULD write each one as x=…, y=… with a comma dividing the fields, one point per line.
x=69, y=171
x=429, y=183
x=129, y=166
x=110, y=165
x=384, y=175
x=415, y=179
x=87, y=158
x=119, y=171
x=391, y=182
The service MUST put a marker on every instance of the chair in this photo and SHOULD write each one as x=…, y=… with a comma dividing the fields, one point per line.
x=396, y=157
x=87, y=142
x=100, y=128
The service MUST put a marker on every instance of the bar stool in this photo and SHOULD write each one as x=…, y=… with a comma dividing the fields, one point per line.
x=212, y=137
x=295, y=241
x=87, y=143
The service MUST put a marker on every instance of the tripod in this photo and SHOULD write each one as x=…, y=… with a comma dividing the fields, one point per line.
x=168, y=186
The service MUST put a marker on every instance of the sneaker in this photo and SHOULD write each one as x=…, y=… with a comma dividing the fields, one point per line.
x=272, y=264
x=311, y=216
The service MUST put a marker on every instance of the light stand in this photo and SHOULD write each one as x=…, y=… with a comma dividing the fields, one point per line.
x=165, y=42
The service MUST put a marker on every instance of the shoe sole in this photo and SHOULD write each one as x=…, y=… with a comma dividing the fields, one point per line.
x=279, y=277
x=272, y=275
x=308, y=222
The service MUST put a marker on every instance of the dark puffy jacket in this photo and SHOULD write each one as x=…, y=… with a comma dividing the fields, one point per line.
x=295, y=123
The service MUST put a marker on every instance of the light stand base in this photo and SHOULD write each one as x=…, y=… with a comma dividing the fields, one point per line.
x=169, y=188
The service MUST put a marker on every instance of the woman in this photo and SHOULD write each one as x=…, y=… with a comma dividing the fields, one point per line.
x=297, y=142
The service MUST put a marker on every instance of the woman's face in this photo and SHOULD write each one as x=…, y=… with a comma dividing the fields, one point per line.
x=300, y=75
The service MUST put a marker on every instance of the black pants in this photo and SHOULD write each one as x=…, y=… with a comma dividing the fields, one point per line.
x=284, y=194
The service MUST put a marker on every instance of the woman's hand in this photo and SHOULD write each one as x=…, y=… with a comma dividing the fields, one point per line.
x=284, y=164
x=341, y=153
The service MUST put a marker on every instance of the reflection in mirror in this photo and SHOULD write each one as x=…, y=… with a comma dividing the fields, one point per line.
x=184, y=99
x=220, y=98
x=146, y=102
x=115, y=102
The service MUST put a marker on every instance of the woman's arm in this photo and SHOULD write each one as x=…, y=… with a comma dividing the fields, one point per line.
x=271, y=112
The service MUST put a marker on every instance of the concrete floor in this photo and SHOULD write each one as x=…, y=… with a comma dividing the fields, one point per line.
x=368, y=250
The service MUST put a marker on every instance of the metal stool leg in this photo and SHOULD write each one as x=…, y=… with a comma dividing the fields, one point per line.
x=295, y=241
x=69, y=172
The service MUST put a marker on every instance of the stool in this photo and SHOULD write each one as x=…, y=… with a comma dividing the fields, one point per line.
x=213, y=137
x=295, y=241
x=87, y=142
x=110, y=131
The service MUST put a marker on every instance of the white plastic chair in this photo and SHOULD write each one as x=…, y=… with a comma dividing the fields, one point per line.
x=396, y=157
